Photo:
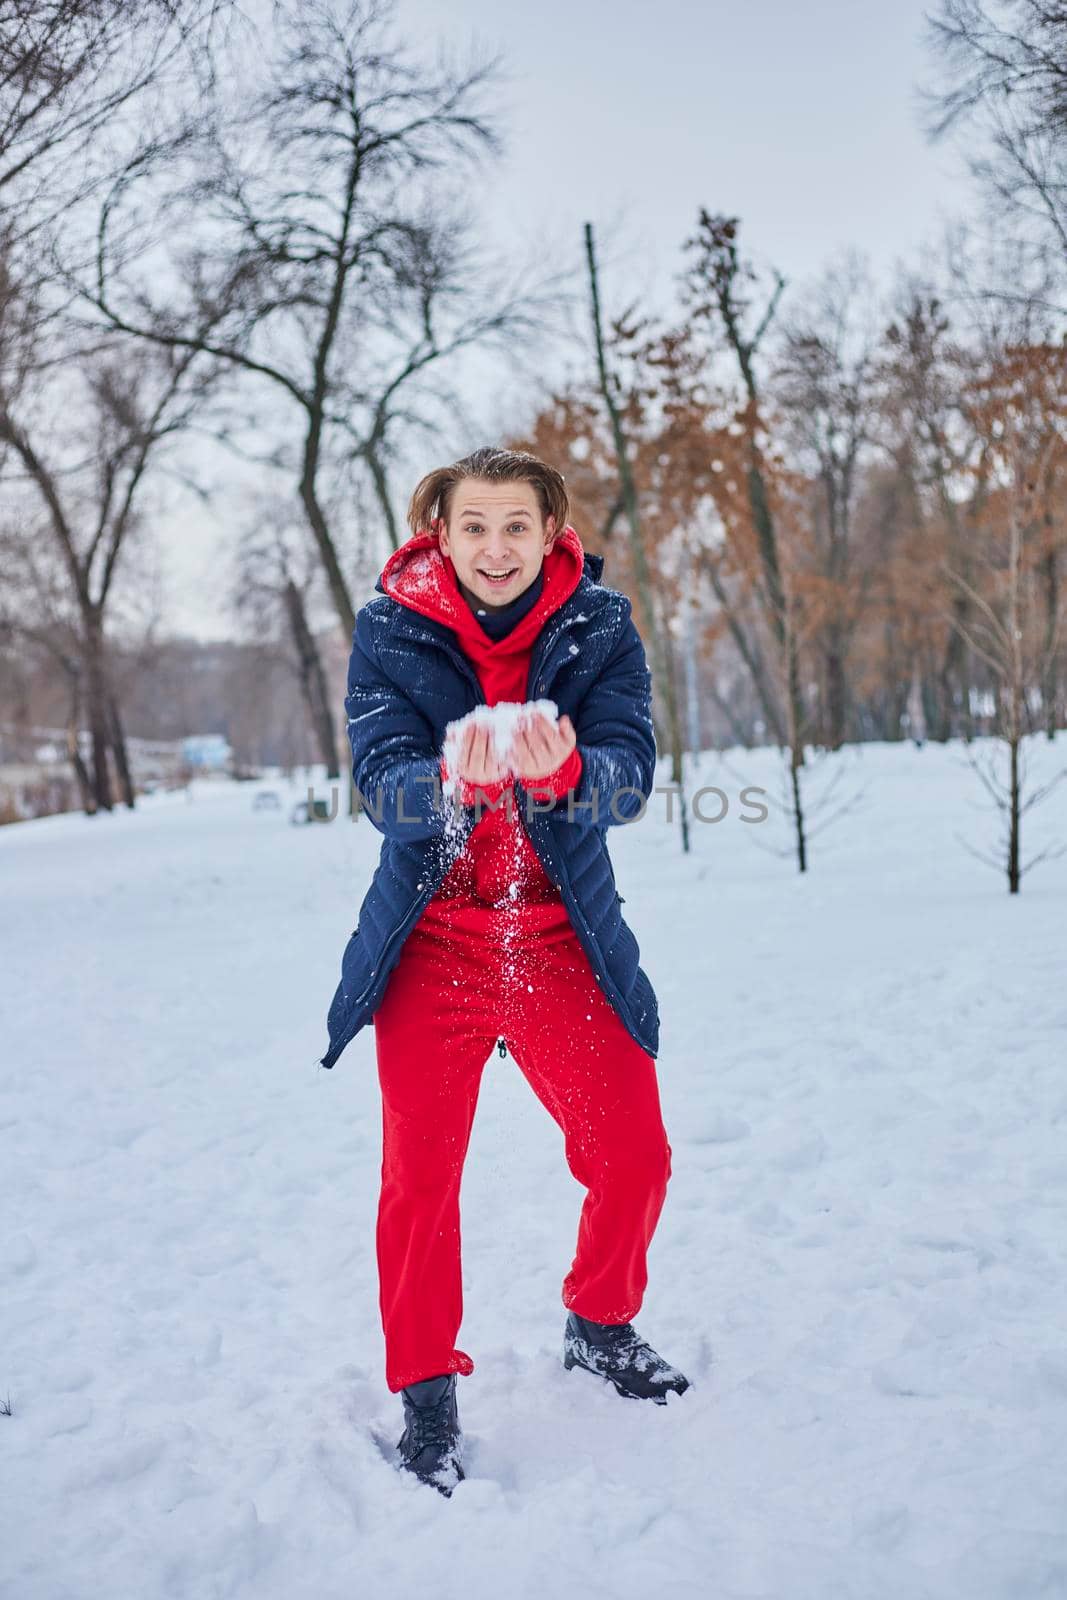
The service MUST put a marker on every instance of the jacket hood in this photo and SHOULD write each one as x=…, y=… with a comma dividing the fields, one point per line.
x=420, y=576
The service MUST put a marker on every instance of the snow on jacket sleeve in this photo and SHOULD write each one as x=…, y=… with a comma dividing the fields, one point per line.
x=616, y=741
x=395, y=764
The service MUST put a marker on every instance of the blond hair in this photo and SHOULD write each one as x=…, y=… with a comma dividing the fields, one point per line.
x=433, y=493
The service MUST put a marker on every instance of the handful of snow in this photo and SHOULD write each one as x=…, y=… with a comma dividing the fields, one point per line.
x=504, y=720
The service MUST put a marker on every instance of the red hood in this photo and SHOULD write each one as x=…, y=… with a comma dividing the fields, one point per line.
x=422, y=577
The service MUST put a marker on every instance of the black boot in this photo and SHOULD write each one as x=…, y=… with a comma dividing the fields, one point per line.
x=429, y=1445
x=616, y=1352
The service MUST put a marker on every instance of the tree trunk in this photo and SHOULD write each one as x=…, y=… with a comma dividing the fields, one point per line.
x=312, y=680
x=1013, y=835
x=96, y=695
x=335, y=578
x=1050, y=685
x=836, y=687
x=798, y=817
x=118, y=746
x=931, y=703
x=954, y=715
x=662, y=663
x=785, y=636
x=692, y=692
x=381, y=490
x=81, y=772
x=915, y=708
x=677, y=753
x=900, y=692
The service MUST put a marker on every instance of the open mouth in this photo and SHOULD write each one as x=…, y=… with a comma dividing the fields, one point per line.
x=498, y=577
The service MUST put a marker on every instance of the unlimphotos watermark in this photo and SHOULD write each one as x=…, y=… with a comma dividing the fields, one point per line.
x=624, y=804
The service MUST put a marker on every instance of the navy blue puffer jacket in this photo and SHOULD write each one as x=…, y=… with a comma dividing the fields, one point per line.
x=407, y=679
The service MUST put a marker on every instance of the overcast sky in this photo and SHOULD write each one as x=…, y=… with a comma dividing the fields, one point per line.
x=801, y=119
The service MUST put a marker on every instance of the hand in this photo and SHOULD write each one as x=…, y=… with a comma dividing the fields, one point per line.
x=539, y=746
x=477, y=757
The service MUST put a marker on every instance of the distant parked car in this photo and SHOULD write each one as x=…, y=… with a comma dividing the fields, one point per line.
x=267, y=800
x=319, y=813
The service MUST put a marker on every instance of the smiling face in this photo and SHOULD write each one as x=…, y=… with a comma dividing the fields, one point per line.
x=496, y=539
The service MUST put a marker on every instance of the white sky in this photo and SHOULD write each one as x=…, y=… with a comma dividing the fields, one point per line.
x=801, y=119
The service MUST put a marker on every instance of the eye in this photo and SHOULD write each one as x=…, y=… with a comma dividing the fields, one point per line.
x=476, y=527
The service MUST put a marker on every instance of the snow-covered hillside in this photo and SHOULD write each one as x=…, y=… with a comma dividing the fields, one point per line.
x=861, y=1266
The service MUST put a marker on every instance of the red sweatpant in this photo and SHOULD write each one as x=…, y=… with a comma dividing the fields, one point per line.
x=468, y=974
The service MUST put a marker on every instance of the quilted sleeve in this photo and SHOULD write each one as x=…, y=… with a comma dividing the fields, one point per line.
x=616, y=742
x=395, y=764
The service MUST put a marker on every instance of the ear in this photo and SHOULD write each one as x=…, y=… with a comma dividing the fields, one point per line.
x=550, y=530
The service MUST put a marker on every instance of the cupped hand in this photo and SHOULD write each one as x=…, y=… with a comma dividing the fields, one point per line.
x=539, y=746
x=477, y=757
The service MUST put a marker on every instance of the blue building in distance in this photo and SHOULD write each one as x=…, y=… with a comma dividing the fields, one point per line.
x=207, y=752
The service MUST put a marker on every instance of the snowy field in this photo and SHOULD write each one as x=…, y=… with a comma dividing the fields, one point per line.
x=860, y=1265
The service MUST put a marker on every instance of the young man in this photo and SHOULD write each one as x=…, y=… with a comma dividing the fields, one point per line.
x=493, y=915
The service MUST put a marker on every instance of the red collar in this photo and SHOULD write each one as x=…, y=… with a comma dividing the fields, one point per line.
x=419, y=575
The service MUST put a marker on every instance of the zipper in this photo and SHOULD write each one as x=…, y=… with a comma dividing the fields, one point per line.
x=465, y=667
x=537, y=662
x=543, y=646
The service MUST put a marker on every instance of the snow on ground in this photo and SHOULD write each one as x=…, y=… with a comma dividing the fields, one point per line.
x=860, y=1263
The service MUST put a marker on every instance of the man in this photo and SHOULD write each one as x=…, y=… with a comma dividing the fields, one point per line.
x=493, y=915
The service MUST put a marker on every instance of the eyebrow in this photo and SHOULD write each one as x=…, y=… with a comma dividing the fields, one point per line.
x=468, y=511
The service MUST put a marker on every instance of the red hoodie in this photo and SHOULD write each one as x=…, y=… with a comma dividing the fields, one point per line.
x=499, y=863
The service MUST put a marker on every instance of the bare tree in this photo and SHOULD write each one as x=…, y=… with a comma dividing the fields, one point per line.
x=1020, y=401
x=715, y=289
x=87, y=477
x=1006, y=77
x=313, y=252
x=822, y=382
x=658, y=635
x=36, y=618
x=68, y=68
x=930, y=437
x=276, y=578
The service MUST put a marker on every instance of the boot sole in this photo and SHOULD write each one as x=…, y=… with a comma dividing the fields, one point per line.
x=570, y=1361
